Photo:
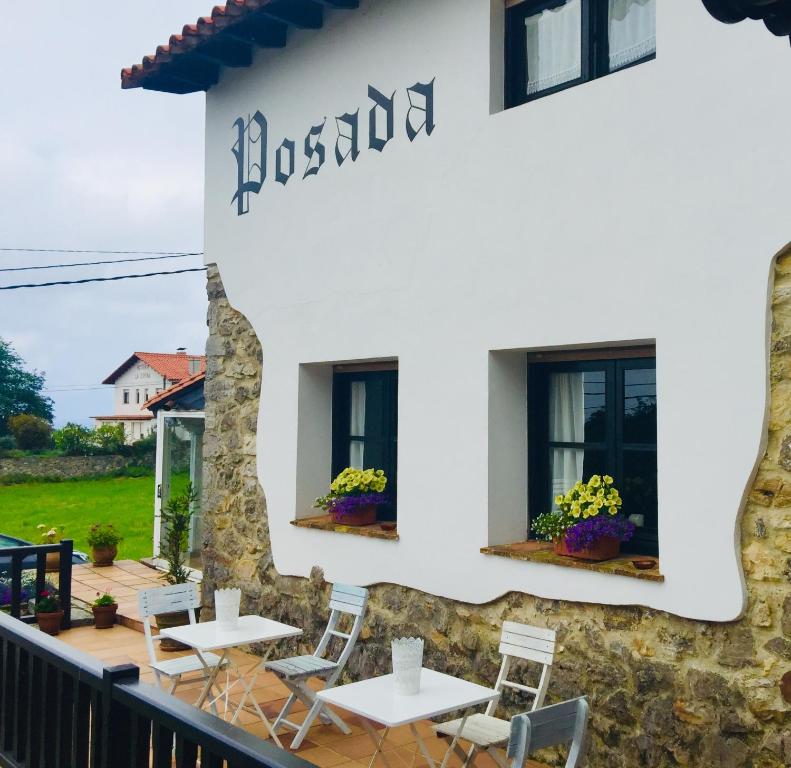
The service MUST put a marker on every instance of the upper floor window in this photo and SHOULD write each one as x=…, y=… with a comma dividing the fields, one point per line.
x=596, y=416
x=365, y=425
x=126, y=397
x=137, y=396
x=554, y=44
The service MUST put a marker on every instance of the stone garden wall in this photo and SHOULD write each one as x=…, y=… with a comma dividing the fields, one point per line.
x=664, y=691
x=60, y=467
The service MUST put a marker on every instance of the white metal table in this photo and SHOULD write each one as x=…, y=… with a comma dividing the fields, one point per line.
x=209, y=636
x=375, y=699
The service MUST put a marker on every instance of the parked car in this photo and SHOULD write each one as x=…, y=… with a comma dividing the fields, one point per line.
x=77, y=558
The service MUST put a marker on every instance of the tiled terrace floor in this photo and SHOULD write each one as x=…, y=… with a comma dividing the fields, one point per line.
x=325, y=746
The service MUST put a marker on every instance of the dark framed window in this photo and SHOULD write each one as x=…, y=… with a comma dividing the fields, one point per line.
x=365, y=426
x=551, y=45
x=126, y=397
x=596, y=416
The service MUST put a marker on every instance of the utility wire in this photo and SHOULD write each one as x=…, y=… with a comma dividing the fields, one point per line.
x=99, y=279
x=73, y=250
x=91, y=263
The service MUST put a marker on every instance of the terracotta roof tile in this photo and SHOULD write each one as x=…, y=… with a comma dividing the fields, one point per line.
x=191, y=60
x=173, y=366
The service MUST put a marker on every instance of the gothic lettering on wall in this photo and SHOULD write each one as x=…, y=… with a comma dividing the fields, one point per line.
x=250, y=146
x=249, y=149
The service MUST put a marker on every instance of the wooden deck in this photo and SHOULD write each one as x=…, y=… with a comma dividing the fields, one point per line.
x=325, y=746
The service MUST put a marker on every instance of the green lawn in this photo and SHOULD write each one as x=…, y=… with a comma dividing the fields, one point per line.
x=127, y=502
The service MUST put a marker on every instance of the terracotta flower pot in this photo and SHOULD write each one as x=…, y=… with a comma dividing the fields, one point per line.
x=104, y=615
x=168, y=621
x=53, y=562
x=49, y=622
x=361, y=516
x=103, y=556
x=606, y=548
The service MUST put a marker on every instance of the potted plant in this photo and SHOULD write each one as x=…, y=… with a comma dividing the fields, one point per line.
x=103, y=540
x=354, y=496
x=104, y=609
x=176, y=521
x=51, y=535
x=48, y=612
x=587, y=523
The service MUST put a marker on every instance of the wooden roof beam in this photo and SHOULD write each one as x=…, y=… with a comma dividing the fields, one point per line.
x=303, y=14
x=260, y=31
x=226, y=50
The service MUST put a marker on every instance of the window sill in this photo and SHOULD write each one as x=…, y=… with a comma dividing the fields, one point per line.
x=542, y=552
x=325, y=523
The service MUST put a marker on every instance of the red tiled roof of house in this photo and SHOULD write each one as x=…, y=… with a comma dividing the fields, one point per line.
x=192, y=61
x=125, y=417
x=172, y=366
x=166, y=394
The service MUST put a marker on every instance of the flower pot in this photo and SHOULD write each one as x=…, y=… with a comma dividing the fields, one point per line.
x=605, y=548
x=103, y=556
x=360, y=516
x=104, y=615
x=168, y=621
x=49, y=622
x=53, y=562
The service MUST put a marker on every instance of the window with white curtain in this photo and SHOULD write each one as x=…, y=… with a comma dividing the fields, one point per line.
x=591, y=416
x=554, y=44
x=365, y=423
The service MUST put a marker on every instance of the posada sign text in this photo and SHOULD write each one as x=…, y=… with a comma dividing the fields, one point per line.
x=251, y=140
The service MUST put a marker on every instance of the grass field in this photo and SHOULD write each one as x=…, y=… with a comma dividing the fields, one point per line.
x=127, y=502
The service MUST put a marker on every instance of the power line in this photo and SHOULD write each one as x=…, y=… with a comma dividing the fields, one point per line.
x=73, y=250
x=109, y=261
x=99, y=279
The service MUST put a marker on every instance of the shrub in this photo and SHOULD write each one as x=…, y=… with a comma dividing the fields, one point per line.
x=74, y=440
x=30, y=432
x=7, y=443
x=104, y=535
x=108, y=438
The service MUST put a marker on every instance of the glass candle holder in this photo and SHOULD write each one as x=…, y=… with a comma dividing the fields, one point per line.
x=226, y=607
x=407, y=664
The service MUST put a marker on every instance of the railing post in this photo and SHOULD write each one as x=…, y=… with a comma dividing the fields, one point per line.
x=16, y=584
x=64, y=581
x=116, y=723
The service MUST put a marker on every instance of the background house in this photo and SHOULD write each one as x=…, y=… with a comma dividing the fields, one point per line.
x=141, y=377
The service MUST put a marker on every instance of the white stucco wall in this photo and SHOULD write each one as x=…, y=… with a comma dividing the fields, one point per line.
x=139, y=379
x=645, y=205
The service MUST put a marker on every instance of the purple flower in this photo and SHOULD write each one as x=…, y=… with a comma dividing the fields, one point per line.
x=345, y=505
x=585, y=534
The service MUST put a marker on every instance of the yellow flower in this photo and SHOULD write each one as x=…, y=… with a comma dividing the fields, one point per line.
x=608, y=480
x=558, y=499
x=595, y=481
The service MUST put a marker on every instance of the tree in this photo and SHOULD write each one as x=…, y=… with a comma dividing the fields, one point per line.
x=30, y=432
x=20, y=389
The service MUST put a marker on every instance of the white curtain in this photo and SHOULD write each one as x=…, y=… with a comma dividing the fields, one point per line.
x=357, y=424
x=554, y=47
x=566, y=425
x=632, y=31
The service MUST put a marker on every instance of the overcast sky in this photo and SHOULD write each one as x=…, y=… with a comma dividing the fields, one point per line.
x=86, y=165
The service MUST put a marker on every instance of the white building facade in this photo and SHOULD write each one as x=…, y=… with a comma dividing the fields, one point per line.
x=530, y=265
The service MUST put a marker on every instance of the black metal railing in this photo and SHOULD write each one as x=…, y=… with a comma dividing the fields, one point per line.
x=60, y=707
x=15, y=561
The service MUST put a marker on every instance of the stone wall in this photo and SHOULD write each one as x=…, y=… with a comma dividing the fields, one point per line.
x=664, y=691
x=60, y=467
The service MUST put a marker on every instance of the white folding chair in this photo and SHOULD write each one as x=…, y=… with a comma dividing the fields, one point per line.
x=172, y=599
x=485, y=731
x=557, y=724
x=295, y=671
